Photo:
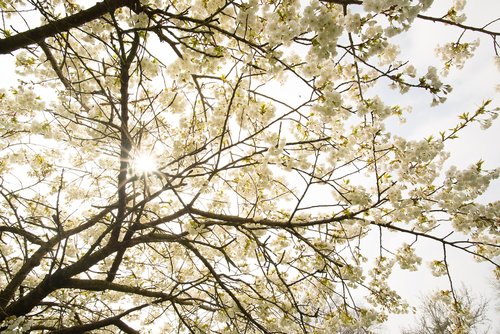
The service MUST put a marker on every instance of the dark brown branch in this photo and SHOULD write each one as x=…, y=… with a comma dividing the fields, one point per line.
x=218, y=278
x=101, y=285
x=24, y=233
x=442, y=240
x=463, y=26
x=125, y=148
x=63, y=276
x=115, y=320
x=51, y=29
x=55, y=66
x=35, y=259
x=125, y=328
x=424, y=17
x=51, y=283
x=228, y=220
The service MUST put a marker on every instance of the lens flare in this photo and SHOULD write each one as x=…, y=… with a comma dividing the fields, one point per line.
x=144, y=163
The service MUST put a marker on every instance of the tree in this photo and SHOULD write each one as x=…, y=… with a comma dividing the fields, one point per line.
x=441, y=314
x=153, y=176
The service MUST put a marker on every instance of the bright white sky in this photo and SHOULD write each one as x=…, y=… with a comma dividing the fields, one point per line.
x=475, y=83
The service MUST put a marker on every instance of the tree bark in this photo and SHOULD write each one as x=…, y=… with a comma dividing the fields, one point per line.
x=51, y=29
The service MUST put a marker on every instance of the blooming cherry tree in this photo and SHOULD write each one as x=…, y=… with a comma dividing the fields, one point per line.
x=218, y=166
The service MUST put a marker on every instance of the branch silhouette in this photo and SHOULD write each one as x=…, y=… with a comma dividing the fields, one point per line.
x=37, y=35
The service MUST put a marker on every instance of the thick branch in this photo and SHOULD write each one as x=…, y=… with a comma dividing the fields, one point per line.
x=62, y=277
x=51, y=29
x=116, y=321
x=228, y=220
x=51, y=283
x=125, y=147
x=35, y=259
x=24, y=233
x=101, y=285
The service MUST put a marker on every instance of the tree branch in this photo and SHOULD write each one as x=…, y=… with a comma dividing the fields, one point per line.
x=115, y=320
x=35, y=259
x=463, y=26
x=51, y=29
x=24, y=233
x=101, y=285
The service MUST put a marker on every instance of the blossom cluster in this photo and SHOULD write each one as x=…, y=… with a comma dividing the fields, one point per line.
x=407, y=259
x=327, y=25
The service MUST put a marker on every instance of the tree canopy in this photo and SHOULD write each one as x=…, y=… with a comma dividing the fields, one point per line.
x=218, y=166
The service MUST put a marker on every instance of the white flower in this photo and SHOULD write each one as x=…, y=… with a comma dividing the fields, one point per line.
x=497, y=62
x=411, y=70
x=353, y=22
x=426, y=4
x=407, y=259
x=459, y=4
x=141, y=20
x=374, y=5
x=438, y=268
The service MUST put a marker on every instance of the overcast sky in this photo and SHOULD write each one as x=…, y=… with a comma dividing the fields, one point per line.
x=473, y=84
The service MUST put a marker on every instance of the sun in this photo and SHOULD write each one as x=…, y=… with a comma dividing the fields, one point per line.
x=144, y=163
